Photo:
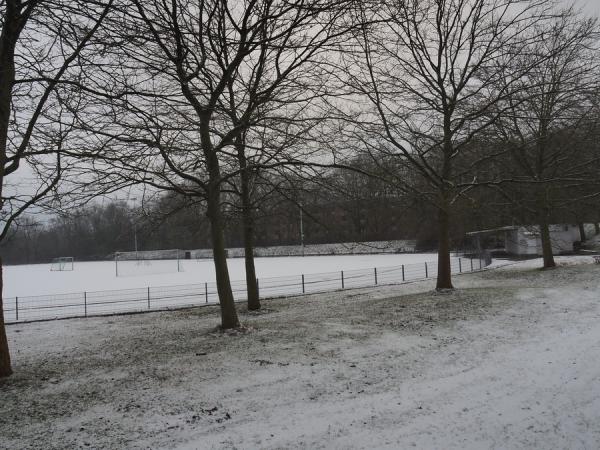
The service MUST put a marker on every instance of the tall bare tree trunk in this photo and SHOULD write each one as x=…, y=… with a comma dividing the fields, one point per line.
x=543, y=202
x=444, y=275
x=248, y=229
x=251, y=284
x=5, y=367
x=229, y=318
x=10, y=32
x=546, y=245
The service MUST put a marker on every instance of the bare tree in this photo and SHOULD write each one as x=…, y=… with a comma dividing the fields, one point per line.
x=546, y=123
x=40, y=43
x=191, y=80
x=419, y=72
x=276, y=145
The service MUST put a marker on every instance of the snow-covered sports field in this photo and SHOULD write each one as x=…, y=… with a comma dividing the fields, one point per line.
x=38, y=279
x=98, y=288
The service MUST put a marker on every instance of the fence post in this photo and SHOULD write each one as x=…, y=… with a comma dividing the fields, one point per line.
x=84, y=303
x=257, y=289
x=342, y=279
x=148, y=297
x=480, y=263
x=426, y=274
x=375, y=270
x=206, y=292
x=403, y=272
x=459, y=266
x=471, y=264
x=303, y=289
x=17, y=308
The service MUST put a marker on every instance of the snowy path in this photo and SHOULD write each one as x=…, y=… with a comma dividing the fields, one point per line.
x=509, y=360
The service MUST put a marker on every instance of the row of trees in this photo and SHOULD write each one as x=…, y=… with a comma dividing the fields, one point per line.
x=342, y=206
x=214, y=100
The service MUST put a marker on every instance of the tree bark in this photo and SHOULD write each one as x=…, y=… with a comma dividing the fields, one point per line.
x=546, y=246
x=251, y=284
x=229, y=318
x=8, y=38
x=581, y=226
x=5, y=366
x=248, y=229
x=444, y=275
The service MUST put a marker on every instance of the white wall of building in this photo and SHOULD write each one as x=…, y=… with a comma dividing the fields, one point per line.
x=527, y=241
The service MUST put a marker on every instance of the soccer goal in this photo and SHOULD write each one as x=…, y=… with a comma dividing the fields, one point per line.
x=61, y=264
x=148, y=262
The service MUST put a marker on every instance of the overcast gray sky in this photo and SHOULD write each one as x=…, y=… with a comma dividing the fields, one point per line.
x=589, y=6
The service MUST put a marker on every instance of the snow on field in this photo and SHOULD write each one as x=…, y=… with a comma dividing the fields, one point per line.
x=38, y=279
x=511, y=359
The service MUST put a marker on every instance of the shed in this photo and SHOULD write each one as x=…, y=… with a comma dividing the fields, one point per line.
x=525, y=239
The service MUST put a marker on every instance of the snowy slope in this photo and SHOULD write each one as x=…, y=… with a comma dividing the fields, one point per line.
x=509, y=360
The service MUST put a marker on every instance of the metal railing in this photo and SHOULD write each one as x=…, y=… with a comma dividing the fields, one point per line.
x=96, y=303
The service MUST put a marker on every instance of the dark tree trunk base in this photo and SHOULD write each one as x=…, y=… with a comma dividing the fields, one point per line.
x=229, y=317
x=5, y=365
x=547, y=254
x=251, y=281
x=248, y=229
x=444, y=274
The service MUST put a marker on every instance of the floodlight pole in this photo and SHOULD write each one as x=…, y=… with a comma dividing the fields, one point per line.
x=135, y=239
x=301, y=232
x=135, y=242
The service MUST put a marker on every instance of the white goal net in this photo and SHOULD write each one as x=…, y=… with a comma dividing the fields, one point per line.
x=151, y=262
x=61, y=264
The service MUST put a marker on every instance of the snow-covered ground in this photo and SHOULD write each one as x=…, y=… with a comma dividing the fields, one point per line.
x=38, y=279
x=511, y=359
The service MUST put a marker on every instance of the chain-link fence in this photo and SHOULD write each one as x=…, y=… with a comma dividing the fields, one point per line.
x=95, y=303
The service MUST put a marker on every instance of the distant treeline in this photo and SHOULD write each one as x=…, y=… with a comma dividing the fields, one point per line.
x=342, y=206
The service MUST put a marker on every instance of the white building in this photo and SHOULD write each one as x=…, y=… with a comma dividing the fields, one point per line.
x=526, y=239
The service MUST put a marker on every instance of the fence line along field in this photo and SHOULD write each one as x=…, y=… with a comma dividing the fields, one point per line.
x=152, y=297
x=38, y=279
